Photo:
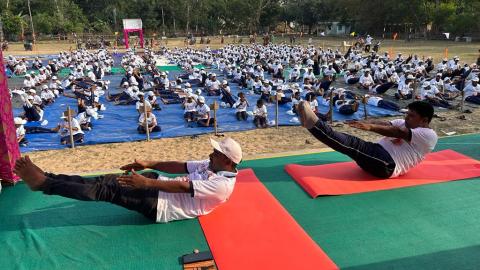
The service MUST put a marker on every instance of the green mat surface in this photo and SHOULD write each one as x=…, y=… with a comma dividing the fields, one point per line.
x=425, y=227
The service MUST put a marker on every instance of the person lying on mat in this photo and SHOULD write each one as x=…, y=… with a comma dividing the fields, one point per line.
x=406, y=142
x=205, y=185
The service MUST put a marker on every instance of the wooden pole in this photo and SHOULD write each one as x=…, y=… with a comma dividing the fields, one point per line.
x=330, y=110
x=364, y=101
x=147, y=129
x=70, y=130
x=214, y=107
x=276, y=110
x=445, y=53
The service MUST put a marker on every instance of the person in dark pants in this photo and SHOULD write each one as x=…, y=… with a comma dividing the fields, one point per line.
x=404, y=146
x=205, y=184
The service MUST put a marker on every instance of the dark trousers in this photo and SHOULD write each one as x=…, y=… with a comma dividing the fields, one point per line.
x=385, y=104
x=260, y=121
x=103, y=188
x=383, y=88
x=77, y=138
x=242, y=116
x=31, y=113
x=142, y=130
x=473, y=99
x=371, y=157
x=353, y=80
x=34, y=130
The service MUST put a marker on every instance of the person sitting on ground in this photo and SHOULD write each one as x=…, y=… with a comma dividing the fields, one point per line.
x=147, y=120
x=405, y=88
x=366, y=80
x=241, y=105
x=32, y=112
x=189, y=106
x=433, y=96
x=47, y=96
x=205, y=185
x=139, y=105
x=20, y=131
x=64, y=129
x=202, y=113
x=152, y=99
x=405, y=145
x=260, y=115
x=472, y=92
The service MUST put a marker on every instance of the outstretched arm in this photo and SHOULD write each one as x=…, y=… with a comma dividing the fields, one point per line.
x=163, y=166
x=136, y=180
x=388, y=131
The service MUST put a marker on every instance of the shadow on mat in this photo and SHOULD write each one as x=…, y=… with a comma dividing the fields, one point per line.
x=73, y=214
x=462, y=258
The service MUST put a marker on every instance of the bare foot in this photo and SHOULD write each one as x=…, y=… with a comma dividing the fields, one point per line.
x=306, y=115
x=29, y=172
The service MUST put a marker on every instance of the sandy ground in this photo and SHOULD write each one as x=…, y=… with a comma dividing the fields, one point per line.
x=256, y=143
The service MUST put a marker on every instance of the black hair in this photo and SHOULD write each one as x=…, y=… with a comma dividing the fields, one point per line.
x=260, y=102
x=424, y=109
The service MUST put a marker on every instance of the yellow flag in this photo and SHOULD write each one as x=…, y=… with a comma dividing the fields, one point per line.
x=352, y=34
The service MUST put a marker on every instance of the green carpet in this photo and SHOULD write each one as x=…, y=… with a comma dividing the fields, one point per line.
x=425, y=227
x=51, y=232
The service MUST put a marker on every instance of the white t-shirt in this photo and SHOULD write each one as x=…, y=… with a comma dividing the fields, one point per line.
x=408, y=154
x=241, y=105
x=202, y=111
x=20, y=131
x=190, y=106
x=209, y=191
x=262, y=111
x=374, y=101
x=75, y=124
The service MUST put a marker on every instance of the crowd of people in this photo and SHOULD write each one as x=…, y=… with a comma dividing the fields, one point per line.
x=287, y=74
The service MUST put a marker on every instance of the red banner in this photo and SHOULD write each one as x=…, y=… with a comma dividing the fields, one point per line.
x=9, y=150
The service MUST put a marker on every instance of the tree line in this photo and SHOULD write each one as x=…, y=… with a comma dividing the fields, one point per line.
x=216, y=17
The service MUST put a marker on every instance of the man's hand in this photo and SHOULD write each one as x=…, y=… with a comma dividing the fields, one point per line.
x=136, y=165
x=134, y=180
x=360, y=125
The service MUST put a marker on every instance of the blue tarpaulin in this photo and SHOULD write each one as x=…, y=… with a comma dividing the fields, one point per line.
x=120, y=122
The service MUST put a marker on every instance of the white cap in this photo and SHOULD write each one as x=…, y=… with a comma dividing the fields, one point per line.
x=178, y=87
x=44, y=87
x=426, y=84
x=201, y=99
x=32, y=91
x=475, y=79
x=140, y=94
x=163, y=74
x=410, y=77
x=19, y=121
x=224, y=82
x=188, y=85
x=54, y=77
x=229, y=148
x=150, y=93
x=125, y=84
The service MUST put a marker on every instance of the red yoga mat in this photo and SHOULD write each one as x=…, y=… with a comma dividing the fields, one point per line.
x=252, y=230
x=347, y=178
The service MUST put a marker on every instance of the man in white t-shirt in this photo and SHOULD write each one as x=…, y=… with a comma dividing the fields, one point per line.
x=405, y=145
x=204, y=185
